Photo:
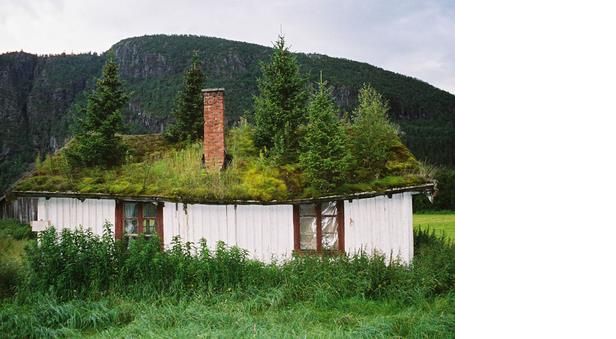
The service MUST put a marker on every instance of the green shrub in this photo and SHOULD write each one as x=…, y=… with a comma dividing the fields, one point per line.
x=15, y=229
x=10, y=276
x=240, y=142
x=261, y=180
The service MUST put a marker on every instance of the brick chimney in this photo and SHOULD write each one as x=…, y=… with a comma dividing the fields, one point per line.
x=214, y=128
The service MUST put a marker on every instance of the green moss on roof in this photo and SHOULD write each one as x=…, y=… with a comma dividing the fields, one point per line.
x=154, y=167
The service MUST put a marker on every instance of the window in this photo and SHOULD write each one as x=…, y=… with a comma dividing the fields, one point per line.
x=319, y=227
x=135, y=218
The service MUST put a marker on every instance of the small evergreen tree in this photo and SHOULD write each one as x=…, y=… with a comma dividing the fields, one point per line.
x=325, y=157
x=188, y=109
x=96, y=142
x=372, y=134
x=280, y=105
x=241, y=141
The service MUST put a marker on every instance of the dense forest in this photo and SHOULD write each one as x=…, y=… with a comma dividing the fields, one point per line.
x=41, y=95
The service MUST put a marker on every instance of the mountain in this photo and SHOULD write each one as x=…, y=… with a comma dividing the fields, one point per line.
x=40, y=95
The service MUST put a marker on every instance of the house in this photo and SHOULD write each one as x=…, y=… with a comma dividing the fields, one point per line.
x=267, y=229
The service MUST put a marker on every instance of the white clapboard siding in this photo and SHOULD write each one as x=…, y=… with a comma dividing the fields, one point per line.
x=265, y=231
x=380, y=224
x=175, y=221
x=73, y=213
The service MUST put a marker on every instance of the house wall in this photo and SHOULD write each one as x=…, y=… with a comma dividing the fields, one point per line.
x=380, y=224
x=72, y=213
x=22, y=209
x=266, y=231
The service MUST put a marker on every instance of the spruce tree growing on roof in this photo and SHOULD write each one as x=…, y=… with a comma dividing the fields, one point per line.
x=372, y=133
x=325, y=157
x=96, y=142
x=280, y=105
x=188, y=109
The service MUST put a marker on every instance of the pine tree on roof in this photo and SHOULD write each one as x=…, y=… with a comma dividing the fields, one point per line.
x=96, y=142
x=325, y=157
x=280, y=105
x=188, y=109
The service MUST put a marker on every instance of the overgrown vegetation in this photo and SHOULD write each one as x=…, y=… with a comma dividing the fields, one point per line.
x=13, y=238
x=79, y=264
x=155, y=167
x=77, y=283
x=11, y=228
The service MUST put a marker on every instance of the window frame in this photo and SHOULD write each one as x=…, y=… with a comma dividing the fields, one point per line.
x=119, y=218
x=319, y=229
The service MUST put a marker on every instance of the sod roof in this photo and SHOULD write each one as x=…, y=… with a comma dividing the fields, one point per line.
x=154, y=169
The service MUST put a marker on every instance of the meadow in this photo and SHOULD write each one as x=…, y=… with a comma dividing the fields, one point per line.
x=441, y=222
x=76, y=284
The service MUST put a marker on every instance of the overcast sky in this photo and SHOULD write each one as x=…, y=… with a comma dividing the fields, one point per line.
x=411, y=37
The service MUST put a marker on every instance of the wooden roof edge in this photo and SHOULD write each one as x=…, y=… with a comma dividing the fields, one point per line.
x=428, y=188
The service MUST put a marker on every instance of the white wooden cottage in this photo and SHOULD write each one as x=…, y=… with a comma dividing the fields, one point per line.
x=274, y=230
x=366, y=221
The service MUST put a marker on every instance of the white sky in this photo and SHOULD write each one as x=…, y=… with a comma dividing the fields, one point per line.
x=411, y=37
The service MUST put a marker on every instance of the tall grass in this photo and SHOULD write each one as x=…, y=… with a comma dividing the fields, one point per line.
x=12, y=228
x=225, y=315
x=13, y=237
x=79, y=264
x=77, y=283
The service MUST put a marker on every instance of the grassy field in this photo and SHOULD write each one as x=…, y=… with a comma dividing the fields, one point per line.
x=62, y=292
x=440, y=222
x=228, y=316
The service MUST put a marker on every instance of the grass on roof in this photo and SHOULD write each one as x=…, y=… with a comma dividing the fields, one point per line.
x=154, y=167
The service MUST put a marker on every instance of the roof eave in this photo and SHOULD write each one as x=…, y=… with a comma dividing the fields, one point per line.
x=429, y=189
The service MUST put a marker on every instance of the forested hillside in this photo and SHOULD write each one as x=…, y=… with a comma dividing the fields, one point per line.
x=41, y=95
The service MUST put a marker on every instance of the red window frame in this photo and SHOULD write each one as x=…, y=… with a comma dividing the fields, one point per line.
x=119, y=219
x=297, y=231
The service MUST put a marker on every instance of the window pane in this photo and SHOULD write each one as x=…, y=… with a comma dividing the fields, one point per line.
x=149, y=210
x=328, y=208
x=130, y=226
x=308, y=233
x=149, y=225
x=307, y=210
x=130, y=210
x=330, y=233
